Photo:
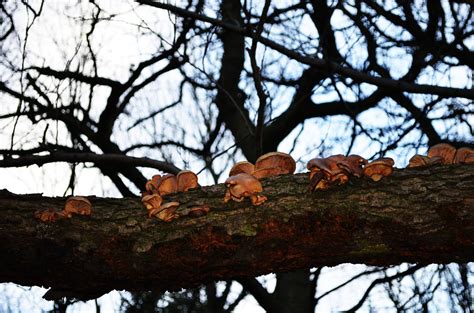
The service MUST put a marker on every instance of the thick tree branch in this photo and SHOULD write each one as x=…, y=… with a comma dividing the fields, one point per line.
x=98, y=159
x=266, y=300
x=420, y=216
x=230, y=98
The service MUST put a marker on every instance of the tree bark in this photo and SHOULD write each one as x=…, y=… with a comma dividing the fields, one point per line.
x=416, y=215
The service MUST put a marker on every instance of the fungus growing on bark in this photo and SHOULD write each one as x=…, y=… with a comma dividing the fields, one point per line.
x=49, y=215
x=418, y=160
x=77, y=205
x=443, y=150
x=167, y=184
x=187, y=180
x=152, y=203
x=73, y=205
x=167, y=211
x=464, y=155
x=379, y=168
x=152, y=185
x=242, y=167
x=353, y=164
x=242, y=186
x=327, y=171
x=198, y=211
x=273, y=164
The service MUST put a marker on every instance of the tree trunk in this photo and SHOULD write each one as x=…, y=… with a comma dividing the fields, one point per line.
x=416, y=215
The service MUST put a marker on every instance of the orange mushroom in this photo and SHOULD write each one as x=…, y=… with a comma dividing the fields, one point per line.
x=327, y=171
x=353, y=164
x=464, y=155
x=242, y=186
x=152, y=185
x=273, y=164
x=187, y=180
x=167, y=211
x=167, y=184
x=198, y=211
x=418, y=160
x=242, y=167
x=152, y=203
x=77, y=205
x=49, y=215
x=379, y=168
x=443, y=150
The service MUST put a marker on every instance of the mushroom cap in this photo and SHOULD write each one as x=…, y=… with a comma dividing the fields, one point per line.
x=469, y=159
x=78, y=205
x=379, y=168
x=152, y=202
x=353, y=164
x=462, y=154
x=167, y=184
x=167, y=211
x=243, y=185
x=153, y=184
x=48, y=215
x=418, y=160
x=316, y=164
x=267, y=172
x=198, y=211
x=170, y=205
x=187, y=180
x=242, y=167
x=327, y=165
x=444, y=150
x=283, y=161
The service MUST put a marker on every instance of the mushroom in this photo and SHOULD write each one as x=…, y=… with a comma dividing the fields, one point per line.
x=167, y=211
x=49, y=215
x=327, y=171
x=167, y=184
x=353, y=164
x=198, y=211
x=469, y=159
x=244, y=185
x=379, y=168
x=418, y=160
x=242, y=167
x=187, y=180
x=464, y=155
x=152, y=203
x=273, y=164
x=443, y=150
x=152, y=185
x=77, y=205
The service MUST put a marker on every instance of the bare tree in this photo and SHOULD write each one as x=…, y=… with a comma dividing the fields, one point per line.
x=204, y=84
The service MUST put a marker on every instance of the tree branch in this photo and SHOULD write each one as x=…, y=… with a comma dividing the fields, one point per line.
x=91, y=80
x=98, y=159
x=416, y=215
x=320, y=63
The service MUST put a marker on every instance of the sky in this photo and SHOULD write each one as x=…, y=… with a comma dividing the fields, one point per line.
x=119, y=41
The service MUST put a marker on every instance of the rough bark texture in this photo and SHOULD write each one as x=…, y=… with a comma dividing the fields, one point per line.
x=417, y=215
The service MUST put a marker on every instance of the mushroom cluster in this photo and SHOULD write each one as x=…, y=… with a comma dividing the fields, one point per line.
x=169, y=183
x=443, y=153
x=159, y=186
x=73, y=205
x=243, y=181
x=337, y=169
